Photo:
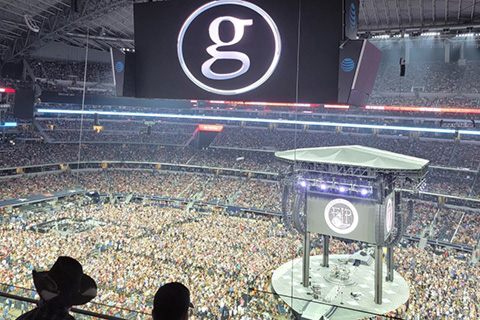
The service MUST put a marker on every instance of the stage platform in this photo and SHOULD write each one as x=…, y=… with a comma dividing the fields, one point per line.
x=334, y=298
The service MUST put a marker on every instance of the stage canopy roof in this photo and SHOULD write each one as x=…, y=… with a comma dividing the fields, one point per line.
x=355, y=156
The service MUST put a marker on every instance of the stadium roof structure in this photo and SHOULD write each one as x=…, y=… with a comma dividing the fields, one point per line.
x=357, y=157
x=109, y=23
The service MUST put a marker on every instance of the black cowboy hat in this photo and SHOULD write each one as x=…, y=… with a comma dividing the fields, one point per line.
x=65, y=283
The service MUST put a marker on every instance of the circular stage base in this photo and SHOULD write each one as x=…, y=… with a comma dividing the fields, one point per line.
x=340, y=282
x=339, y=299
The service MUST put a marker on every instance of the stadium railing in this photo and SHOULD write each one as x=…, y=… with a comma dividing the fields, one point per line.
x=16, y=301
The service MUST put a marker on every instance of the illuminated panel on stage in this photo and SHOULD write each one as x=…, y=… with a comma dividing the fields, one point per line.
x=342, y=217
x=388, y=212
x=7, y=90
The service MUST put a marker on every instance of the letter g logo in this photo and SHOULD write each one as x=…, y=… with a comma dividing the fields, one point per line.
x=230, y=68
x=239, y=26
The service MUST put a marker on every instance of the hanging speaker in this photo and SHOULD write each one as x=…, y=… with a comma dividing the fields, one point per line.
x=359, y=63
x=402, y=67
x=24, y=103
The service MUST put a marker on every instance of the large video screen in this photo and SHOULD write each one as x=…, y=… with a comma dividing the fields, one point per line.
x=238, y=50
x=342, y=217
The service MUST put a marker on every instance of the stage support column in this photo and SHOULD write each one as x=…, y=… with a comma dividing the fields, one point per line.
x=326, y=250
x=378, y=274
x=306, y=260
x=390, y=264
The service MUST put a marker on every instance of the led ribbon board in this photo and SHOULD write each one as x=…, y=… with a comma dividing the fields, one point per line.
x=259, y=120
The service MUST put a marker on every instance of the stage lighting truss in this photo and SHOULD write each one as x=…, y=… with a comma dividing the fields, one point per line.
x=420, y=185
x=355, y=189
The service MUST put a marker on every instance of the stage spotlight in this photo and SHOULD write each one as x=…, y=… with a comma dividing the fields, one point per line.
x=303, y=183
x=363, y=192
x=342, y=189
x=323, y=186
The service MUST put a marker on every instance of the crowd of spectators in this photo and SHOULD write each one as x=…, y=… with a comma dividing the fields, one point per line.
x=429, y=77
x=250, y=194
x=61, y=130
x=136, y=248
x=454, y=183
x=72, y=70
x=444, y=181
x=442, y=285
x=227, y=261
x=35, y=153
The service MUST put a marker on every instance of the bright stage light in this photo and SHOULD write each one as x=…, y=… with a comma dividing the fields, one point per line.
x=323, y=186
x=363, y=192
x=342, y=189
x=303, y=183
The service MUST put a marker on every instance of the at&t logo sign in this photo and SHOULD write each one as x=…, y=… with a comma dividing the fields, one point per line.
x=229, y=47
x=341, y=216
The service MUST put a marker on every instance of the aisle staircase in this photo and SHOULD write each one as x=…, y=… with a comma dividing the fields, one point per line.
x=455, y=144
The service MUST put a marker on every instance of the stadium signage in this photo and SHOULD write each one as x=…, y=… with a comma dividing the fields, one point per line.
x=222, y=66
x=457, y=124
x=341, y=216
x=210, y=127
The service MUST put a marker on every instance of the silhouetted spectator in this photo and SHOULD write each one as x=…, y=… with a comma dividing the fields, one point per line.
x=63, y=286
x=171, y=302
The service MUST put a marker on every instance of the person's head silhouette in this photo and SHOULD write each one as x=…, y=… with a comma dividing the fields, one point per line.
x=171, y=302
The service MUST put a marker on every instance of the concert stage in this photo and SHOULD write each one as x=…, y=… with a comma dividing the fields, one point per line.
x=333, y=287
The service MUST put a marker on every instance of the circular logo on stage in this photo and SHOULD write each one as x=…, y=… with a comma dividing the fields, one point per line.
x=229, y=47
x=341, y=216
x=389, y=215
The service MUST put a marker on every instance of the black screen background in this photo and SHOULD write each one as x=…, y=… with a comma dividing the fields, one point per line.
x=159, y=75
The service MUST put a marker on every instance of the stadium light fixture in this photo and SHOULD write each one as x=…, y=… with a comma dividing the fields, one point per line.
x=259, y=120
x=430, y=34
x=381, y=36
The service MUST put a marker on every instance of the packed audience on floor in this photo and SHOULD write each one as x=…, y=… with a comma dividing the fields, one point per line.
x=226, y=260
x=137, y=247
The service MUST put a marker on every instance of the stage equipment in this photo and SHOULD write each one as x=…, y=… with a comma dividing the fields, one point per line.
x=349, y=192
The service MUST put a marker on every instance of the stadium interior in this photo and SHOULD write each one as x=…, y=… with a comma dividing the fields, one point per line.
x=148, y=191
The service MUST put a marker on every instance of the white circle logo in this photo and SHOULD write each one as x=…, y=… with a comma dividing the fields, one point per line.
x=389, y=215
x=239, y=26
x=341, y=216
